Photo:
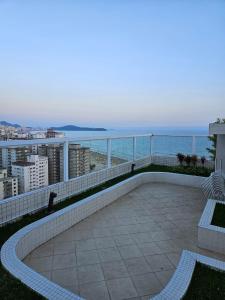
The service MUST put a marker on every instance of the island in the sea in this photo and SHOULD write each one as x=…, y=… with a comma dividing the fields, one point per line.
x=77, y=128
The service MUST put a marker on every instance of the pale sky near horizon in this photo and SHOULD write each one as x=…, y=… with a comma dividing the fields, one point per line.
x=112, y=63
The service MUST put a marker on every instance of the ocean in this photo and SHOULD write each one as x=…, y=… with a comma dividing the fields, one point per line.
x=166, y=141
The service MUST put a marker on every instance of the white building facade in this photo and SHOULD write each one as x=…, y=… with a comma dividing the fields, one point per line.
x=10, y=155
x=8, y=185
x=32, y=174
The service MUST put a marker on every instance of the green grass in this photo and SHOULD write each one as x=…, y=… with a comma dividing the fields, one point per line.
x=219, y=215
x=11, y=288
x=206, y=284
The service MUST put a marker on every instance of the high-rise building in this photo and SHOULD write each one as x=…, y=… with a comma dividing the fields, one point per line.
x=8, y=185
x=53, y=154
x=0, y=158
x=79, y=161
x=54, y=134
x=41, y=166
x=10, y=155
x=50, y=133
x=32, y=174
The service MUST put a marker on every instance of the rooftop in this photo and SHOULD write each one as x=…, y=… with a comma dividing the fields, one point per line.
x=130, y=248
x=23, y=163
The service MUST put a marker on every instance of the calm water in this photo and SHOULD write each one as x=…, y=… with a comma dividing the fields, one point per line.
x=162, y=142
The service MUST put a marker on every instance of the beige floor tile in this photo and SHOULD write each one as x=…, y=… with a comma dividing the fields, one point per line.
x=137, y=265
x=124, y=239
x=41, y=264
x=65, y=277
x=114, y=269
x=159, y=262
x=63, y=261
x=72, y=288
x=109, y=254
x=44, y=250
x=101, y=232
x=94, y=291
x=146, y=284
x=90, y=273
x=129, y=251
x=143, y=237
x=64, y=248
x=167, y=246
x=87, y=257
x=82, y=235
x=121, y=288
x=104, y=242
x=165, y=276
x=85, y=245
x=149, y=248
x=174, y=258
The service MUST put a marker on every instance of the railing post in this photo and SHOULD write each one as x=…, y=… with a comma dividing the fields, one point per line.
x=134, y=148
x=193, y=144
x=109, y=153
x=150, y=149
x=221, y=166
x=66, y=161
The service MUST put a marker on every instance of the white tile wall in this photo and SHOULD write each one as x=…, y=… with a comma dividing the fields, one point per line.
x=33, y=235
x=17, y=206
x=209, y=236
x=180, y=281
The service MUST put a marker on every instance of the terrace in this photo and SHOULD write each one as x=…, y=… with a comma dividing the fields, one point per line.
x=121, y=241
x=127, y=250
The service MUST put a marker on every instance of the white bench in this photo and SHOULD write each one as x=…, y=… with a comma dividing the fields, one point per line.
x=213, y=187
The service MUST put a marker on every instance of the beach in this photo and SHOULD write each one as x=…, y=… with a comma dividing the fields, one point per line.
x=100, y=161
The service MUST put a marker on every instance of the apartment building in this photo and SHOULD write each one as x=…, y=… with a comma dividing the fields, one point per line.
x=32, y=174
x=79, y=161
x=10, y=155
x=54, y=134
x=8, y=185
x=53, y=154
x=41, y=166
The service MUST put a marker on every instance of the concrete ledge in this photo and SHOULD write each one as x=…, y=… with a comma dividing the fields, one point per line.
x=28, y=238
x=179, y=283
x=215, y=128
x=211, y=237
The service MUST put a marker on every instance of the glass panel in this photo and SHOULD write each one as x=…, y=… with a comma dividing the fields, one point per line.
x=97, y=152
x=142, y=146
x=122, y=150
x=202, y=143
x=171, y=145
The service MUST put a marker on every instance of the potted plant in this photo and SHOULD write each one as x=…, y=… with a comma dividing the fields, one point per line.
x=187, y=159
x=194, y=160
x=203, y=159
x=180, y=158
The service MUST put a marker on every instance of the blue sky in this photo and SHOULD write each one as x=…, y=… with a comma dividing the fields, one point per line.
x=112, y=63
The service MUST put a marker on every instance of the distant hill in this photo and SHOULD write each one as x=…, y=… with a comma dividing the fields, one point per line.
x=4, y=123
x=77, y=128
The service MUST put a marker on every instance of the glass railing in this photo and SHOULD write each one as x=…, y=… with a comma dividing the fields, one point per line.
x=68, y=158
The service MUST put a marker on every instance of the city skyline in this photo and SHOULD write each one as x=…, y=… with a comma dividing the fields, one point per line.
x=114, y=64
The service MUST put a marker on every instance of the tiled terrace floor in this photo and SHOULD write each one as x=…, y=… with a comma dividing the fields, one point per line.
x=128, y=250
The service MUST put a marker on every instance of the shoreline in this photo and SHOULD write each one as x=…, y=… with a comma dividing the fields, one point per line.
x=100, y=160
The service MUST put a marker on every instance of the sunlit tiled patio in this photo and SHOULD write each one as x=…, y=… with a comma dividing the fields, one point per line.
x=128, y=250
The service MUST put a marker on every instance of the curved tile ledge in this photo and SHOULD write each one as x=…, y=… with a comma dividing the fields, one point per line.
x=28, y=238
x=211, y=237
x=179, y=283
